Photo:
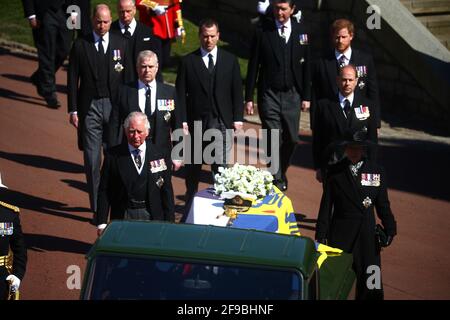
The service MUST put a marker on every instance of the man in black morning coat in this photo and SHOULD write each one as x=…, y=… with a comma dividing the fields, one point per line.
x=346, y=220
x=139, y=37
x=280, y=61
x=95, y=72
x=136, y=181
x=209, y=91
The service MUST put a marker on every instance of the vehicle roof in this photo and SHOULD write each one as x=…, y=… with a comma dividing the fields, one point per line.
x=207, y=243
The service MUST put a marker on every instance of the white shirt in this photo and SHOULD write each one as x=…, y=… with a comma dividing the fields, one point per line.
x=132, y=25
x=142, y=148
x=104, y=43
x=287, y=29
x=205, y=56
x=347, y=54
x=350, y=98
x=142, y=90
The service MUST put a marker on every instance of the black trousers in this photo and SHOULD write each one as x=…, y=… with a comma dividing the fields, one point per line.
x=52, y=40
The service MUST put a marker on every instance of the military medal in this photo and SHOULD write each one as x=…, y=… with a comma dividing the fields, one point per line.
x=6, y=229
x=165, y=104
x=167, y=116
x=370, y=179
x=160, y=182
x=367, y=202
x=116, y=55
x=118, y=67
x=303, y=39
x=158, y=165
x=361, y=72
x=362, y=112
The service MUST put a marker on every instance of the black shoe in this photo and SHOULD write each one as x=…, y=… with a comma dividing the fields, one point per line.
x=53, y=103
x=35, y=81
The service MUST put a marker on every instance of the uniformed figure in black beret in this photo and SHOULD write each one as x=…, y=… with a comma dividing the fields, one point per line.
x=12, y=267
x=353, y=189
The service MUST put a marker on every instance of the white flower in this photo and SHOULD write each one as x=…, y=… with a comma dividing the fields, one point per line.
x=243, y=179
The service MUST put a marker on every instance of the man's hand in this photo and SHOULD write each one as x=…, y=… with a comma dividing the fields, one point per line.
x=34, y=23
x=262, y=6
x=14, y=282
x=185, y=129
x=176, y=165
x=73, y=119
x=249, y=108
x=319, y=175
x=306, y=105
x=237, y=126
x=159, y=10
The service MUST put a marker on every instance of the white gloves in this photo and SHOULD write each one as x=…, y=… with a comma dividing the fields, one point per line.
x=298, y=16
x=262, y=6
x=15, y=282
x=159, y=10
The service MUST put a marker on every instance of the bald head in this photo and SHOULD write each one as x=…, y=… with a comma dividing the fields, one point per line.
x=101, y=19
x=347, y=80
x=126, y=10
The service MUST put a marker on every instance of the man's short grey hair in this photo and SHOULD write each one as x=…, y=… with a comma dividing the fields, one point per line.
x=133, y=115
x=145, y=54
x=132, y=1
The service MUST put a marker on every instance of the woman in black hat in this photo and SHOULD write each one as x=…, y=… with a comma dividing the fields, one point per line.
x=346, y=220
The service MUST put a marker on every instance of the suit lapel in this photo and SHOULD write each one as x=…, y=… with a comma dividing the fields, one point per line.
x=331, y=69
x=200, y=69
x=274, y=40
x=91, y=53
x=339, y=116
x=133, y=99
x=126, y=167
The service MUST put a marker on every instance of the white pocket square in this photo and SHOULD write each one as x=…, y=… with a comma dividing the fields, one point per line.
x=146, y=39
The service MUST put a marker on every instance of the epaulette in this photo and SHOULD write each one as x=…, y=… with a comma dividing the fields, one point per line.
x=10, y=206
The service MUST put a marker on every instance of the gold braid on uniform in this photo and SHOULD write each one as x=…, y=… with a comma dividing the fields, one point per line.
x=10, y=206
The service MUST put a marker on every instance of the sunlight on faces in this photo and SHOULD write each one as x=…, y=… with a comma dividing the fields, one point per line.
x=283, y=11
x=126, y=11
x=101, y=22
x=342, y=40
x=209, y=36
x=137, y=131
x=347, y=81
x=147, y=67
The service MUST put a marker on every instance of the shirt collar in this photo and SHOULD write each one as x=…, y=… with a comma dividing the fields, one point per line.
x=142, y=85
x=287, y=24
x=132, y=25
x=97, y=37
x=205, y=53
x=350, y=98
x=142, y=148
x=347, y=53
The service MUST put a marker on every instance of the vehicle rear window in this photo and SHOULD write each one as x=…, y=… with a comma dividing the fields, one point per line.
x=120, y=278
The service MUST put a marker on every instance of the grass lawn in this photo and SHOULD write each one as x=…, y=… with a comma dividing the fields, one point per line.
x=14, y=27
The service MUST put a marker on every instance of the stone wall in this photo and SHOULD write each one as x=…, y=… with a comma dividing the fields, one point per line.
x=411, y=85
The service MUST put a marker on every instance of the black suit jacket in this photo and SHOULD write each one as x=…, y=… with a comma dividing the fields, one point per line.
x=82, y=75
x=39, y=7
x=331, y=124
x=128, y=101
x=117, y=182
x=325, y=74
x=14, y=241
x=142, y=39
x=265, y=60
x=192, y=90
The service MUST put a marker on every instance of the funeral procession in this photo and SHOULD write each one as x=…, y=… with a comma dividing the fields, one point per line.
x=224, y=150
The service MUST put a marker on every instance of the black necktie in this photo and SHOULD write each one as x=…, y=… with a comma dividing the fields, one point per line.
x=127, y=32
x=137, y=158
x=283, y=35
x=341, y=61
x=101, y=50
x=148, y=104
x=347, y=108
x=210, y=63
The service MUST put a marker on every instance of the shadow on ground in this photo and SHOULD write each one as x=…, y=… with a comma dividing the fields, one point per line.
x=42, y=242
